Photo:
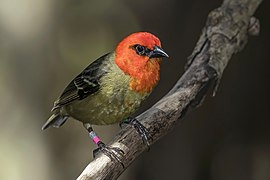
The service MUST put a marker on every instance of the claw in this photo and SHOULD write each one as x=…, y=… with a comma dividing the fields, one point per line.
x=144, y=133
x=114, y=153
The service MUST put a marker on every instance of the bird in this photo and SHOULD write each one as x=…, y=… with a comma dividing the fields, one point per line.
x=112, y=88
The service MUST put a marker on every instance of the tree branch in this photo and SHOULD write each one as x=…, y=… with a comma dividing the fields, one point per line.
x=224, y=34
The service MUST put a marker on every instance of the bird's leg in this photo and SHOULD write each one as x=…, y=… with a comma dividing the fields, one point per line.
x=112, y=152
x=139, y=128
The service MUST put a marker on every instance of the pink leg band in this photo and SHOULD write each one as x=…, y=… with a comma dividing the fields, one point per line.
x=96, y=139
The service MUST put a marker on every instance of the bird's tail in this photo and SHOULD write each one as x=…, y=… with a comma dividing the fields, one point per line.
x=56, y=120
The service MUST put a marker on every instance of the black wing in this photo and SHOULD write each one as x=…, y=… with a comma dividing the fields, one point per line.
x=83, y=85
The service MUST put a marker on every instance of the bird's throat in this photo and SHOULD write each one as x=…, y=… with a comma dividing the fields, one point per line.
x=147, y=78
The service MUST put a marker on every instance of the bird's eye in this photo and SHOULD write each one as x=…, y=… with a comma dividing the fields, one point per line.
x=140, y=49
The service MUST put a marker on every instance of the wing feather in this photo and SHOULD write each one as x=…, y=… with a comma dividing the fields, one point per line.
x=85, y=84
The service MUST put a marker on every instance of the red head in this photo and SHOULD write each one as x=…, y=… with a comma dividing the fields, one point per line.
x=139, y=56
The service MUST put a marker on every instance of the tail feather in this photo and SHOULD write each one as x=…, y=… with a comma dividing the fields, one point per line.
x=56, y=120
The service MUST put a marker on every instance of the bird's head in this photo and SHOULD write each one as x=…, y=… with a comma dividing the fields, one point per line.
x=139, y=55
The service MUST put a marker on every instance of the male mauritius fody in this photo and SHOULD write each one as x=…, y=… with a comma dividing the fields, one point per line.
x=112, y=88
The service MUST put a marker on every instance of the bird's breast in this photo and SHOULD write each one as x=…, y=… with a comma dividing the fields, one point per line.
x=114, y=101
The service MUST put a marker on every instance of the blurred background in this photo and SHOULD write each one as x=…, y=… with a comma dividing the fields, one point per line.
x=45, y=43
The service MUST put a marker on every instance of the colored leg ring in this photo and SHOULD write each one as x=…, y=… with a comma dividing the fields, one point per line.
x=94, y=137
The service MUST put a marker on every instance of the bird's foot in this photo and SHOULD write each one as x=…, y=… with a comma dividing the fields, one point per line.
x=113, y=153
x=143, y=132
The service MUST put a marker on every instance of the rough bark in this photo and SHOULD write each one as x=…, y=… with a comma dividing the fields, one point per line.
x=225, y=33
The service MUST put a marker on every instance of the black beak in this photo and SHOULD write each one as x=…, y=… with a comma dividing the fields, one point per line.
x=158, y=52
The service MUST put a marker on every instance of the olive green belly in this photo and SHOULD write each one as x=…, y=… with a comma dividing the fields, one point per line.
x=102, y=109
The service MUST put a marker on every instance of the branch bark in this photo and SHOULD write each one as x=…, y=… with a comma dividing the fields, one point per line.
x=224, y=34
